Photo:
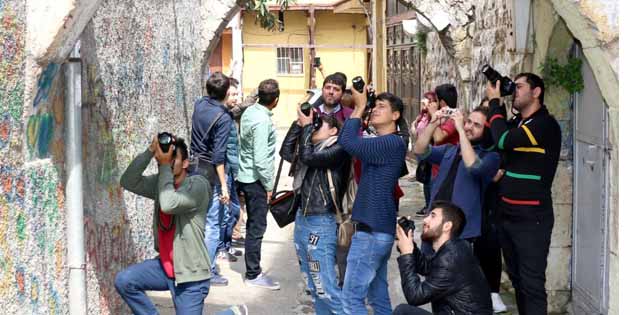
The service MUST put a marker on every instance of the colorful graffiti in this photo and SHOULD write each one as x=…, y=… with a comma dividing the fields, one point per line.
x=45, y=83
x=39, y=134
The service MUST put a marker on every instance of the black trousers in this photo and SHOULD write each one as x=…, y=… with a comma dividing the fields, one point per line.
x=406, y=309
x=256, y=202
x=525, y=241
x=488, y=252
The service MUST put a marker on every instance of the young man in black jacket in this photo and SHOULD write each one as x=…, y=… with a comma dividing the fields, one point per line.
x=321, y=181
x=454, y=283
x=530, y=143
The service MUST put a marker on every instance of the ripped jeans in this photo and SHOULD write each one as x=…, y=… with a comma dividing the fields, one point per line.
x=316, y=245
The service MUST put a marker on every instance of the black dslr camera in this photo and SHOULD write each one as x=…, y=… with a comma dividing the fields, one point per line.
x=507, y=85
x=165, y=140
x=358, y=84
x=306, y=109
x=406, y=224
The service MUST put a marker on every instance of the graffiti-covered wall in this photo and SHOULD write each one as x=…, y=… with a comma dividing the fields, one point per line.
x=32, y=230
x=143, y=64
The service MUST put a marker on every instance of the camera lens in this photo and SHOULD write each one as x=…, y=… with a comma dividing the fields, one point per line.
x=306, y=108
x=165, y=140
x=358, y=83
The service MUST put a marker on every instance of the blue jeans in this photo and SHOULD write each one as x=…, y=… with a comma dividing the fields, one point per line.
x=213, y=225
x=316, y=246
x=366, y=274
x=148, y=275
x=228, y=214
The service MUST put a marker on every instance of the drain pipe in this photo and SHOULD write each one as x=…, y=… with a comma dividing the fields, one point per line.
x=77, y=294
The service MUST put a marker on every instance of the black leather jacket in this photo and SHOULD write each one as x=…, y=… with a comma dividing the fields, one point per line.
x=315, y=192
x=454, y=281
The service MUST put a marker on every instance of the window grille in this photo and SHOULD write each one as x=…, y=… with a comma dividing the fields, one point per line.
x=290, y=60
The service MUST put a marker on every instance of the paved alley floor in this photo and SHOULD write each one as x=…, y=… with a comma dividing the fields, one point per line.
x=280, y=262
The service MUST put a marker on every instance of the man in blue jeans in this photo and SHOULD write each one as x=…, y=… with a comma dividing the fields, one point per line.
x=183, y=265
x=374, y=211
x=211, y=123
x=323, y=178
x=229, y=213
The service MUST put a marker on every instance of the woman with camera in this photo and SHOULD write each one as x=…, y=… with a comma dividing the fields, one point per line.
x=320, y=180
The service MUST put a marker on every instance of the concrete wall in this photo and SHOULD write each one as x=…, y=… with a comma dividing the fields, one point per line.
x=480, y=34
x=259, y=63
x=143, y=64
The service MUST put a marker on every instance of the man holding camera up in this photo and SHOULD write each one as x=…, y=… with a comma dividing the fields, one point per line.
x=211, y=123
x=255, y=176
x=465, y=169
x=179, y=218
x=454, y=283
x=321, y=182
x=531, y=144
x=374, y=209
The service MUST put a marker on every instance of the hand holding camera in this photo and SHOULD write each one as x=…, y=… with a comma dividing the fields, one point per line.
x=498, y=85
x=458, y=117
x=404, y=234
x=305, y=114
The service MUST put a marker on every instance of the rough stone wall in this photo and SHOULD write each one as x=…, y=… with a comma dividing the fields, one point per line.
x=479, y=34
x=32, y=230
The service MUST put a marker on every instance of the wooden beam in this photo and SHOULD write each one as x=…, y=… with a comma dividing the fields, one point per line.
x=311, y=42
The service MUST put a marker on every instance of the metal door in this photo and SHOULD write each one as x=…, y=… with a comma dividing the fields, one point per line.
x=403, y=59
x=590, y=217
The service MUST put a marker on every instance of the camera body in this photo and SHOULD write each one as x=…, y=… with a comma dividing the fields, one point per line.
x=358, y=84
x=507, y=85
x=450, y=111
x=306, y=109
x=406, y=224
x=165, y=140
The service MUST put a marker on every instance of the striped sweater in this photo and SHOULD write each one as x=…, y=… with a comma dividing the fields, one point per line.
x=531, y=150
x=382, y=159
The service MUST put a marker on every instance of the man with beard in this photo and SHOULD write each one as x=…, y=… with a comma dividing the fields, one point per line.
x=454, y=283
x=531, y=143
x=334, y=85
x=466, y=169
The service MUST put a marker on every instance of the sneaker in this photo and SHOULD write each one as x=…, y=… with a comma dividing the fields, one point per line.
x=218, y=280
x=497, y=304
x=237, y=310
x=235, y=252
x=263, y=281
x=226, y=256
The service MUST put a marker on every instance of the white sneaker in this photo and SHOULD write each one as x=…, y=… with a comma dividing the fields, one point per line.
x=497, y=304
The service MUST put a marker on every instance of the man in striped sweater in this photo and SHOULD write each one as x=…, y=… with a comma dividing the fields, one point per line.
x=530, y=143
x=374, y=211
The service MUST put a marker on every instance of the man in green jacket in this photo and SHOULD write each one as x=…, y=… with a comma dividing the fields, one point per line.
x=179, y=218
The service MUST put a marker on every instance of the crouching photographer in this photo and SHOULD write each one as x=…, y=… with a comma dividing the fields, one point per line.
x=179, y=216
x=320, y=180
x=454, y=283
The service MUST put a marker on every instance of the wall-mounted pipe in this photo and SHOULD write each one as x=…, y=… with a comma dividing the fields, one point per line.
x=77, y=294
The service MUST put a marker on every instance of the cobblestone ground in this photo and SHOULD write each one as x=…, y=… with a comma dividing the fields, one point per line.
x=280, y=262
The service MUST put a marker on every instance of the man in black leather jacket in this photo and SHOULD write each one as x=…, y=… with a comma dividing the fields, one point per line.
x=454, y=283
x=321, y=161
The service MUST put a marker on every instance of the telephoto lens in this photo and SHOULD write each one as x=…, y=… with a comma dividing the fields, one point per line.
x=165, y=140
x=507, y=85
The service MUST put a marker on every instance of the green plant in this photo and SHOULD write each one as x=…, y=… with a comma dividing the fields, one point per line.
x=421, y=41
x=567, y=76
x=264, y=17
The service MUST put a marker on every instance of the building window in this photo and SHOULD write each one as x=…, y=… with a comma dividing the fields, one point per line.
x=290, y=60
